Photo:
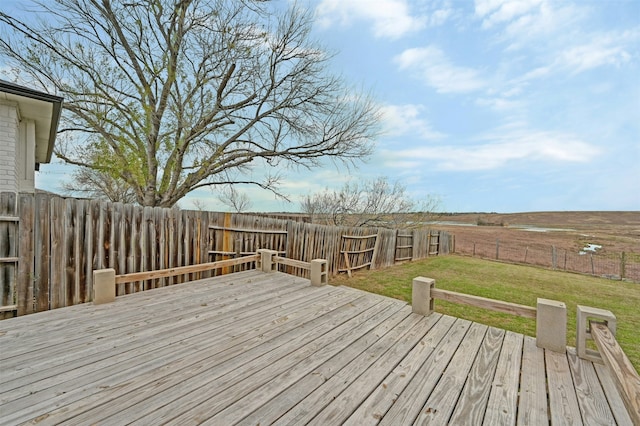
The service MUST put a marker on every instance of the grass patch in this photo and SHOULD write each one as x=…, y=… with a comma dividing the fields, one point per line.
x=511, y=283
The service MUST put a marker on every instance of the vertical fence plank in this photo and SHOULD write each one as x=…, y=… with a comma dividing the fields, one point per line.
x=57, y=281
x=172, y=252
x=153, y=241
x=203, y=241
x=71, y=293
x=79, y=253
x=133, y=214
x=90, y=219
x=25, y=279
x=145, y=243
x=117, y=254
x=102, y=242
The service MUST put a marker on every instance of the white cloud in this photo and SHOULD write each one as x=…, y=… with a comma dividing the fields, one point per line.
x=528, y=23
x=406, y=120
x=603, y=49
x=390, y=18
x=497, y=152
x=431, y=65
x=436, y=13
x=536, y=73
x=440, y=16
x=499, y=103
x=498, y=11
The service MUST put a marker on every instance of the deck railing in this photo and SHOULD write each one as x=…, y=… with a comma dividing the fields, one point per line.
x=105, y=280
x=182, y=270
x=551, y=332
x=599, y=325
x=550, y=315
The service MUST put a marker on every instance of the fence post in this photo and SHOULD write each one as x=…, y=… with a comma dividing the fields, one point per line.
x=623, y=258
x=376, y=248
x=319, y=275
x=551, y=325
x=104, y=286
x=421, y=300
x=497, y=249
x=238, y=249
x=554, y=258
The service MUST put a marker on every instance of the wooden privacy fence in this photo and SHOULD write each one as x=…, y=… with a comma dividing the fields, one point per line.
x=9, y=249
x=50, y=245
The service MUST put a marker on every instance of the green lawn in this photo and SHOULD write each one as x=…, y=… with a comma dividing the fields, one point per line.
x=511, y=283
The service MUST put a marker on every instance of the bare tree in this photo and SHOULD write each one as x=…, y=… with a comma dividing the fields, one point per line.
x=169, y=96
x=238, y=201
x=91, y=183
x=376, y=203
x=199, y=205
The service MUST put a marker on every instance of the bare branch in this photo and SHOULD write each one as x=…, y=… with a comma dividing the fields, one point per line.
x=238, y=201
x=167, y=96
x=375, y=203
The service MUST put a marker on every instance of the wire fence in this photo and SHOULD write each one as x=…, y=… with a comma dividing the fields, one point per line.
x=617, y=266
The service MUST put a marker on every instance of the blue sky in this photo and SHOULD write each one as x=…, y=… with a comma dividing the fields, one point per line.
x=492, y=105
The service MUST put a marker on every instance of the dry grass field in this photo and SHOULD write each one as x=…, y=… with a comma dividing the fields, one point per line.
x=616, y=232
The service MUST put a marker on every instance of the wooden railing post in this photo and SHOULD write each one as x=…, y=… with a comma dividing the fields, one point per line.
x=267, y=263
x=583, y=315
x=421, y=300
x=551, y=325
x=104, y=286
x=319, y=273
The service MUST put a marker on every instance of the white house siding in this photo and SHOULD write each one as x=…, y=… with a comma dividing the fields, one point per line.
x=25, y=167
x=9, y=124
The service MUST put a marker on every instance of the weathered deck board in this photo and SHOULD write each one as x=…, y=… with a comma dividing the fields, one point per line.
x=216, y=312
x=472, y=404
x=532, y=408
x=197, y=403
x=613, y=397
x=386, y=392
x=90, y=354
x=320, y=386
x=63, y=331
x=444, y=397
x=111, y=369
x=369, y=345
x=591, y=400
x=563, y=402
x=177, y=380
x=311, y=355
x=408, y=405
x=256, y=348
x=340, y=398
x=502, y=405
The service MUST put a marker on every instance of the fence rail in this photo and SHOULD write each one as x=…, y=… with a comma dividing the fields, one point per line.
x=620, y=266
x=483, y=302
x=62, y=240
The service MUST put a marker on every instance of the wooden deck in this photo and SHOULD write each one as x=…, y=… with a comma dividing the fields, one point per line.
x=256, y=348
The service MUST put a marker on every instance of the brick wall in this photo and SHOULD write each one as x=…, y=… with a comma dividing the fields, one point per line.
x=8, y=146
